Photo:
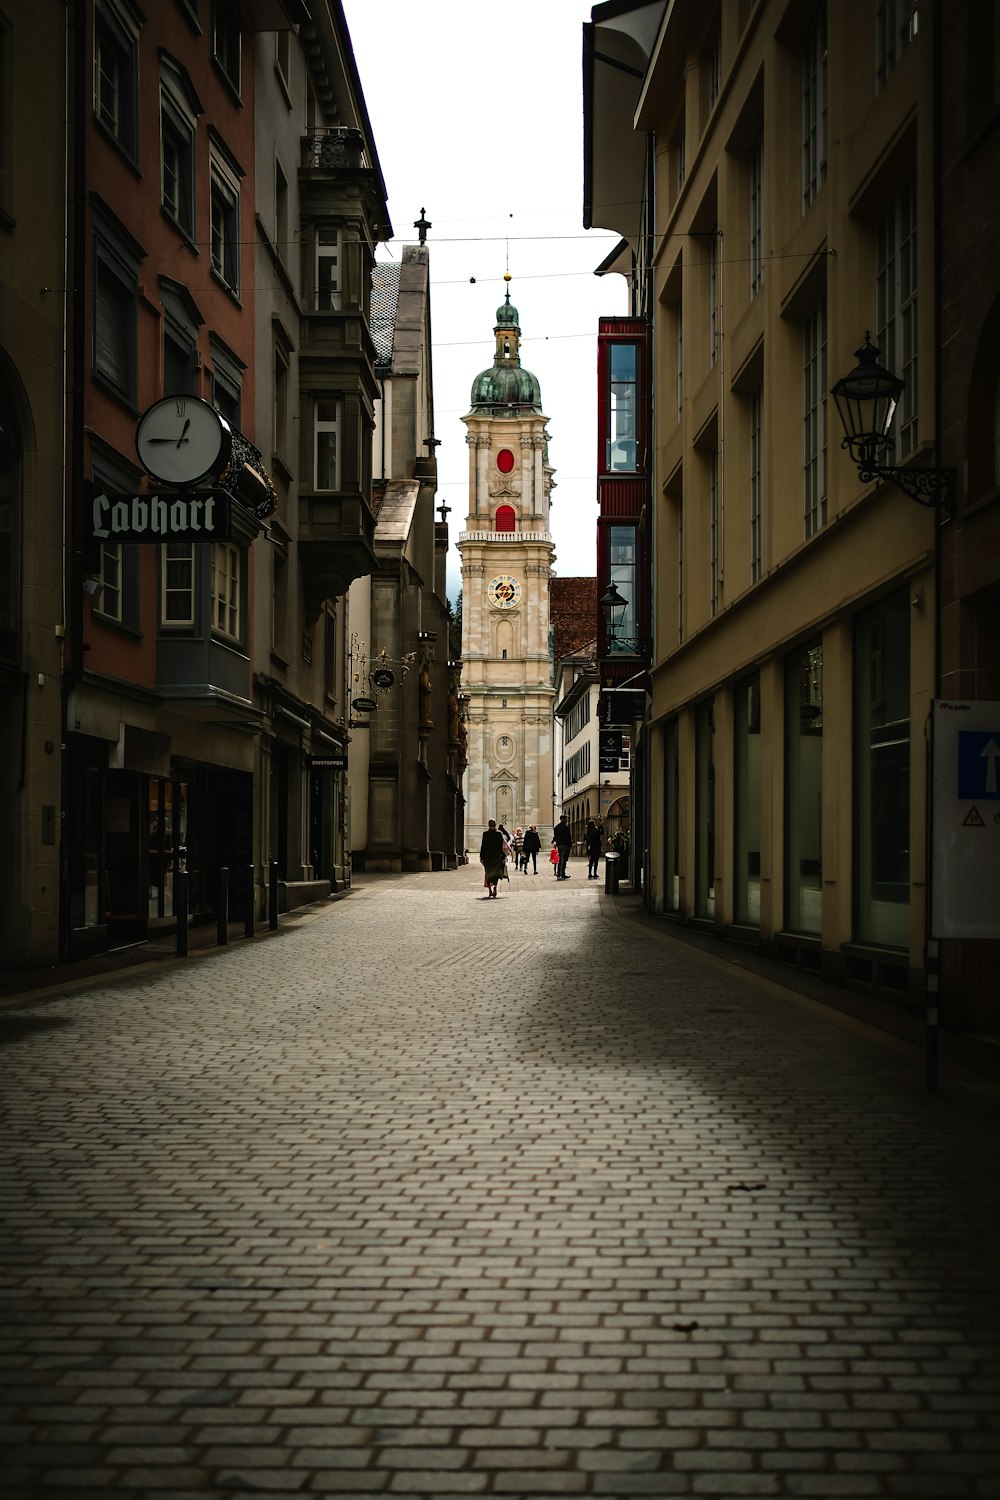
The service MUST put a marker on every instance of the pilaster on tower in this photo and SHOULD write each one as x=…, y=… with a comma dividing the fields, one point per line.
x=506, y=553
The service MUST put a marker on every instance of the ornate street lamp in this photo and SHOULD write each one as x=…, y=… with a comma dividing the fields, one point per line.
x=613, y=606
x=866, y=403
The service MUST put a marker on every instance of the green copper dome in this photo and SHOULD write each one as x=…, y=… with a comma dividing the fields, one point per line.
x=505, y=383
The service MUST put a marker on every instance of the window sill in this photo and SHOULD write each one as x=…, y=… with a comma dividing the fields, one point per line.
x=224, y=284
x=278, y=466
x=128, y=156
x=278, y=660
x=124, y=398
x=181, y=233
x=231, y=88
x=123, y=627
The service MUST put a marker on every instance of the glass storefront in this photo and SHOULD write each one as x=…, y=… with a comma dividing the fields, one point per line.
x=671, y=830
x=705, y=810
x=746, y=699
x=804, y=789
x=882, y=773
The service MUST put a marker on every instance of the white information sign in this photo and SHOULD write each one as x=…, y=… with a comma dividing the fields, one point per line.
x=965, y=894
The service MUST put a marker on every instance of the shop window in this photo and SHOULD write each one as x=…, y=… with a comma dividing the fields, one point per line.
x=804, y=789
x=671, y=822
x=705, y=809
x=746, y=703
x=882, y=767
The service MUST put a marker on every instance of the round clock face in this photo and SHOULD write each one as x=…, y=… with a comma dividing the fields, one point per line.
x=504, y=591
x=181, y=439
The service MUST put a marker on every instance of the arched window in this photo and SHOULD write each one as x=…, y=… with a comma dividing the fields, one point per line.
x=505, y=518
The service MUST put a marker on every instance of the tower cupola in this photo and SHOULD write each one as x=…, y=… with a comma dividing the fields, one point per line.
x=506, y=384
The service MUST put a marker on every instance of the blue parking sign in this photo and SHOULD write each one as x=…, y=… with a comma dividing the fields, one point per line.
x=979, y=765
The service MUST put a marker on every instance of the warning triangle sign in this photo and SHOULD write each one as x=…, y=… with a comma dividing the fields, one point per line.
x=973, y=819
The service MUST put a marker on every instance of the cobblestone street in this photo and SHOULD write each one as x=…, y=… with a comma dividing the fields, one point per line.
x=428, y=1196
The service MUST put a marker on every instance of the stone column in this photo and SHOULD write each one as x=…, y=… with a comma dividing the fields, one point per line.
x=483, y=483
x=527, y=486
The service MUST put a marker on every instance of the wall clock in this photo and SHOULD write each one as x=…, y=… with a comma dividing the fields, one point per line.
x=504, y=591
x=181, y=439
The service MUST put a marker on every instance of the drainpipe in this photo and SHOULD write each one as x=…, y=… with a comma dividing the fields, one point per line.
x=75, y=304
x=931, y=944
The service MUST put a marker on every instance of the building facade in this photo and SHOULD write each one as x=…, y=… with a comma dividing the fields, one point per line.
x=793, y=608
x=213, y=170
x=321, y=212
x=159, y=718
x=33, y=279
x=506, y=551
x=404, y=778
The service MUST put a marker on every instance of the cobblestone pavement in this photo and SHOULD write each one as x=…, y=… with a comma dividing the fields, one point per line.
x=429, y=1196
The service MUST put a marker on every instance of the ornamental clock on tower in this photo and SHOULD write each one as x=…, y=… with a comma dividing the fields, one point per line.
x=506, y=553
x=504, y=591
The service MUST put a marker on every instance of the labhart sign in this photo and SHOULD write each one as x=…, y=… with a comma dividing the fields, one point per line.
x=177, y=516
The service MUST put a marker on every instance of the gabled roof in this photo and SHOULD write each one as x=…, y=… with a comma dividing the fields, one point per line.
x=395, y=516
x=572, y=614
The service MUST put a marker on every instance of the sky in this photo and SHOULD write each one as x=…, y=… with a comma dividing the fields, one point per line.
x=477, y=117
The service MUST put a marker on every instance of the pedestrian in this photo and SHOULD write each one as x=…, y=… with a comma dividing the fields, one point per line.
x=593, y=841
x=518, y=846
x=562, y=837
x=532, y=844
x=491, y=857
x=554, y=860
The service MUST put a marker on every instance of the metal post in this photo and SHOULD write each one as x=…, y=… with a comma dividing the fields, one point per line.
x=181, y=906
x=272, y=897
x=931, y=961
x=249, y=903
x=222, y=909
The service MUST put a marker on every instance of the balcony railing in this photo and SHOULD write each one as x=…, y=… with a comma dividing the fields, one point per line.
x=505, y=536
x=333, y=148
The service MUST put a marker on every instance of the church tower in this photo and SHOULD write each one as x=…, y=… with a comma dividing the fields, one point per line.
x=506, y=553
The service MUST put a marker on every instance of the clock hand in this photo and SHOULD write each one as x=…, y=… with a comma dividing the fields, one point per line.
x=184, y=429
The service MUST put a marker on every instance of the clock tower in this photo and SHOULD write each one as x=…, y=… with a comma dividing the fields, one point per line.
x=506, y=553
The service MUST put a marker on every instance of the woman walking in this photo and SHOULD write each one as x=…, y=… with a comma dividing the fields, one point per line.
x=491, y=857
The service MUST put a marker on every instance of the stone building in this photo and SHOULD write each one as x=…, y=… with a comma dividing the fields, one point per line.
x=774, y=171
x=34, y=275
x=404, y=778
x=506, y=553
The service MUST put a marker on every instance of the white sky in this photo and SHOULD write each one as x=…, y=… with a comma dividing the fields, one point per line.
x=477, y=115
